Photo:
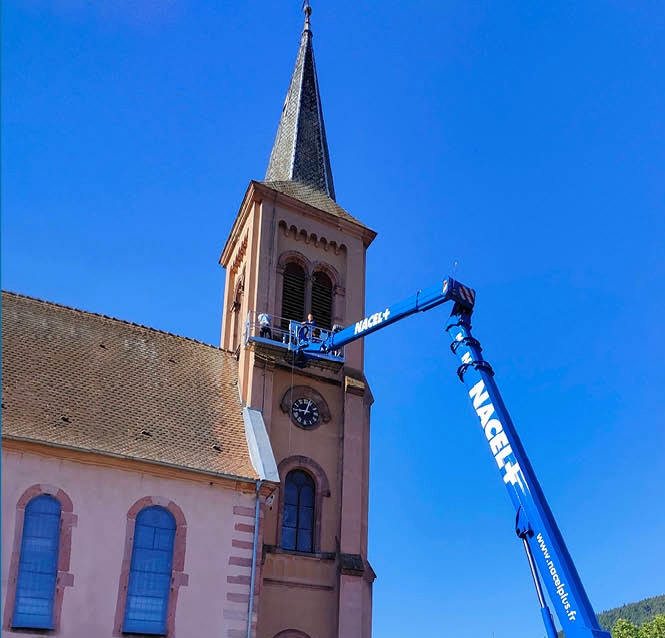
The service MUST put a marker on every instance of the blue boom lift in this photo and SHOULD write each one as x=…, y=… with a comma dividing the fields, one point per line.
x=549, y=560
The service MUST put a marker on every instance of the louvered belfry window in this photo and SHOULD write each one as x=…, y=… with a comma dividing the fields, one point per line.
x=298, y=519
x=38, y=564
x=293, y=293
x=322, y=296
x=150, y=572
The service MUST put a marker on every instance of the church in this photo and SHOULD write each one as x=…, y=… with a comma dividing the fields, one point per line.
x=154, y=485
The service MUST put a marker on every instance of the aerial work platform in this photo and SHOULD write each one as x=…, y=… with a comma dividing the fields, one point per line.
x=280, y=340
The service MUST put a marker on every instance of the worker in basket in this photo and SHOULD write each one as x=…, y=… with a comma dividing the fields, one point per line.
x=307, y=330
x=264, y=326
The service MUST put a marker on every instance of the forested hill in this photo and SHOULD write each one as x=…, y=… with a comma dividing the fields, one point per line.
x=637, y=613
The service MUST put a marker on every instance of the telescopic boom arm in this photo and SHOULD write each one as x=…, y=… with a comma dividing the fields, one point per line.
x=535, y=524
x=447, y=290
x=550, y=563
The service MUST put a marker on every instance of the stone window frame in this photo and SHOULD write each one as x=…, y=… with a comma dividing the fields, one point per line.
x=178, y=577
x=304, y=486
x=237, y=320
x=291, y=633
x=311, y=267
x=64, y=578
x=322, y=490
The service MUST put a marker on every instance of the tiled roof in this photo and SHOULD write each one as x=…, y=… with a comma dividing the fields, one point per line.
x=313, y=197
x=86, y=381
x=300, y=152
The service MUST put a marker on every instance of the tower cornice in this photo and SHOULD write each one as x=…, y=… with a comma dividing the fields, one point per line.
x=336, y=218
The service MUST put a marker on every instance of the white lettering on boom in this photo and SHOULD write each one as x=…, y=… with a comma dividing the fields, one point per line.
x=371, y=321
x=498, y=441
x=560, y=587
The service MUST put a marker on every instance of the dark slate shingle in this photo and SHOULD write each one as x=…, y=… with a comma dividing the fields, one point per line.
x=300, y=152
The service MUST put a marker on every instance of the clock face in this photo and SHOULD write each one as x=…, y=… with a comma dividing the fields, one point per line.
x=305, y=412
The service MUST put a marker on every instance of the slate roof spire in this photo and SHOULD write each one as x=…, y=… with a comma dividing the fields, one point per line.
x=300, y=153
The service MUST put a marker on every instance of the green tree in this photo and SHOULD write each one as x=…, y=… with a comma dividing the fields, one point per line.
x=624, y=629
x=654, y=628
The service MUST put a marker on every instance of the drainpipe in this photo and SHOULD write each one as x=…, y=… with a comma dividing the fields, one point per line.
x=252, y=580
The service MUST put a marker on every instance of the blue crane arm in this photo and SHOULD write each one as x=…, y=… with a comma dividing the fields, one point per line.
x=535, y=523
x=549, y=559
x=448, y=290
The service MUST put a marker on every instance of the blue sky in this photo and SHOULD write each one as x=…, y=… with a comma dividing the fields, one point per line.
x=525, y=140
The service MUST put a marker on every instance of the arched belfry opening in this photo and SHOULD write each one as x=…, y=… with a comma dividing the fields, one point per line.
x=322, y=299
x=293, y=293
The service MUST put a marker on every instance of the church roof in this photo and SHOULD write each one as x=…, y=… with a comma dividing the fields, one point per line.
x=314, y=197
x=300, y=152
x=89, y=382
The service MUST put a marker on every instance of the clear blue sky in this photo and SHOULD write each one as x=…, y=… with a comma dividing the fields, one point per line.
x=524, y=139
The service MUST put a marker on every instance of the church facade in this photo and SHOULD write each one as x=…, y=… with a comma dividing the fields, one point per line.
x=154, y=485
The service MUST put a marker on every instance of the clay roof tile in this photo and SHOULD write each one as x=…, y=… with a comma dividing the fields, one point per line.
x=87, y=381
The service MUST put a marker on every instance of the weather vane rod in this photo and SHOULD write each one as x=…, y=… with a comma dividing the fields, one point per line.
x=308, y=11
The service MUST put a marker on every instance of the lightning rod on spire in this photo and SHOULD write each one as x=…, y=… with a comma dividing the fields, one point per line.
x=308, y=12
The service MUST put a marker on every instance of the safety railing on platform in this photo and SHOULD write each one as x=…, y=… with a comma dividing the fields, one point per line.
x=272, y=330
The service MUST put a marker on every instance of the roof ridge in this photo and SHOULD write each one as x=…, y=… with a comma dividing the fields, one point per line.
x=110, y=318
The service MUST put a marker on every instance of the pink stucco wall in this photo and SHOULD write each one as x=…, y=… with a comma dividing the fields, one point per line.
x=212, y=598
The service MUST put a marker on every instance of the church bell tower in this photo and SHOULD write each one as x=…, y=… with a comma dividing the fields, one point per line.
x=293, y=252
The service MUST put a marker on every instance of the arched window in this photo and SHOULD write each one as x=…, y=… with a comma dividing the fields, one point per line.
x=322, y=296
x=293, y=292
x=150, y=572
x=298, y=518
x=237, y=320
x=38, y=564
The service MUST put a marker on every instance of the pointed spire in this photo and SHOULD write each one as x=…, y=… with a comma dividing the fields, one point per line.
x=300, y=153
